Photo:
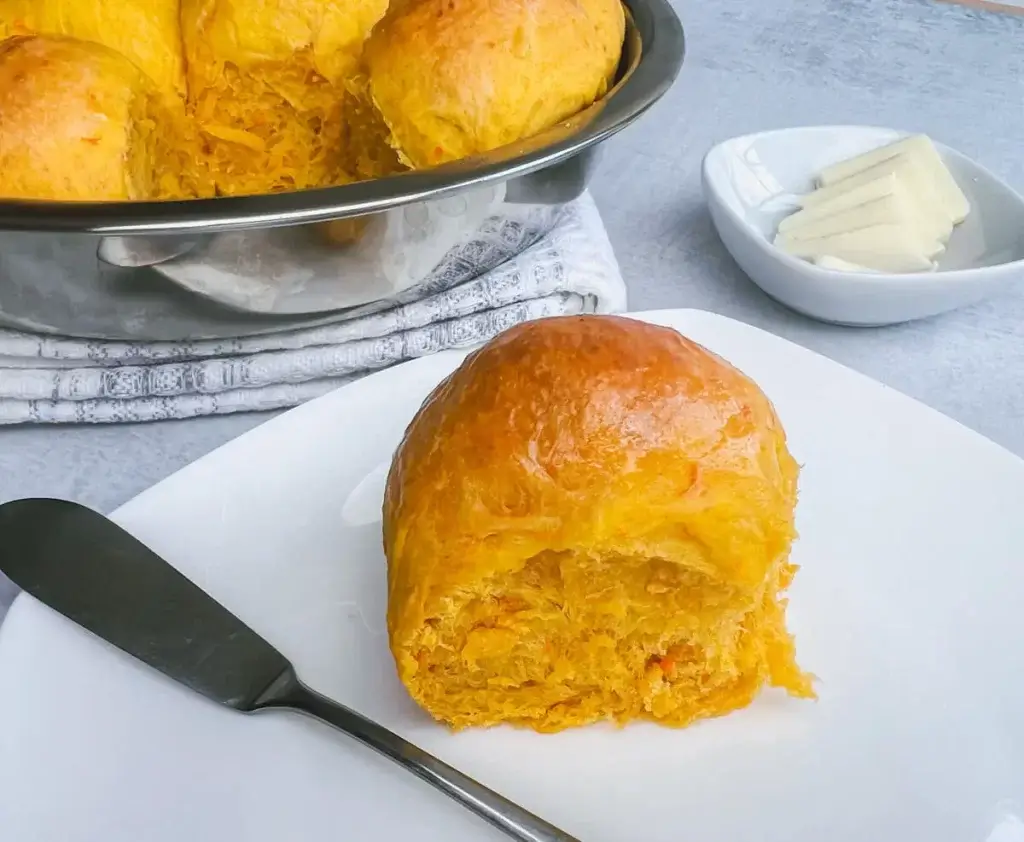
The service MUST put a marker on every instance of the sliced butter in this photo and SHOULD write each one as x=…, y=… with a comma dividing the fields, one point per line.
x=852, y=166
x=815, y=209
x=910, y=172
x=896, y=208
x=918, y=148
x=837, y=264
x=885, y=248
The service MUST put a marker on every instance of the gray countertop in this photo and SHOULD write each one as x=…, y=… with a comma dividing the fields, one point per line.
x=920, y=65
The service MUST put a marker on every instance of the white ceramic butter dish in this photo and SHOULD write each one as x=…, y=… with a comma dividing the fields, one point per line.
x=751, y=182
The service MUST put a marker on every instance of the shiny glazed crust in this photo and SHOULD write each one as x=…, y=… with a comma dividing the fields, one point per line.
x=67, y=111
x=326, y=35
x=591, y=519
x=147, y=32
x=453, y=78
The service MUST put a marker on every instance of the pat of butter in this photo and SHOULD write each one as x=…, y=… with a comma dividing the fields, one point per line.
x=851, y=166
x=924, y=207
x=885, y=248
x=814, y=208
x=898, y=207
x=837, y=264
x=910, y=172
x=916, y=147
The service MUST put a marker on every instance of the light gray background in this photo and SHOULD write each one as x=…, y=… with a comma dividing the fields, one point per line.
x=919, y=65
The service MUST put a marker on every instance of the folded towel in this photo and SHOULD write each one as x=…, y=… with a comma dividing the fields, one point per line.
x=45, y=379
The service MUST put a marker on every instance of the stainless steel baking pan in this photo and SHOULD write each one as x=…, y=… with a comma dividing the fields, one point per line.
x=244, y=265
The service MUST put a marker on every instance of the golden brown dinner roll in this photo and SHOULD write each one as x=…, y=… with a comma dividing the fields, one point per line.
x=285, y=95
x=266, y=81
x=589, y=520
x=453, y=78
x=78, y=121
x=145, y=31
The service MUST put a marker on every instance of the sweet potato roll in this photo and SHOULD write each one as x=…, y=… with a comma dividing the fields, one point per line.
x=267, y=86
x=452, y=78
x=80, y=122
x=146, y=32
x=591, y=519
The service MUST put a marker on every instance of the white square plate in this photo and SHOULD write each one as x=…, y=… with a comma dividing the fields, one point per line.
x=746, y=180
x=907, y=607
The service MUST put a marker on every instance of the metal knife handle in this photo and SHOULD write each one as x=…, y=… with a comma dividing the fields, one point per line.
x=506, y=816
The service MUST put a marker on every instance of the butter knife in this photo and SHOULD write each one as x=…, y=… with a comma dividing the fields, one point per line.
x=92, y=571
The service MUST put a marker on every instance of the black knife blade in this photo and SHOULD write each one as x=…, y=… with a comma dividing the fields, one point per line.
x=92, y=571
x=110, y=583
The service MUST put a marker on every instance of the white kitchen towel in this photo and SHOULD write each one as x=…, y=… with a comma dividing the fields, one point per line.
x=45, y=379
